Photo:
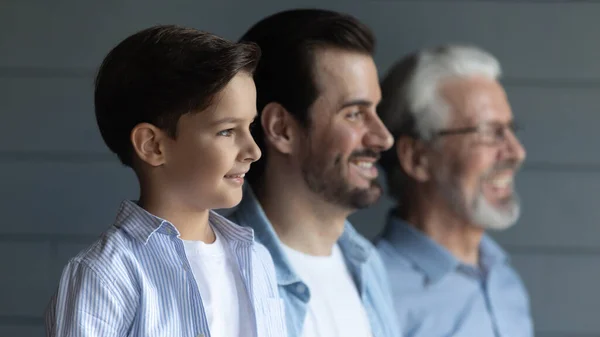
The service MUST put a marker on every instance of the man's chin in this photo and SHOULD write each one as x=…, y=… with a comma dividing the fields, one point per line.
x=366, y=197
x=361, y=184
x=497, y=218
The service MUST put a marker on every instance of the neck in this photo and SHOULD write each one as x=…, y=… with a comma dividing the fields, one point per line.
x=191, y=223
x=447, y=229
x=302, y=220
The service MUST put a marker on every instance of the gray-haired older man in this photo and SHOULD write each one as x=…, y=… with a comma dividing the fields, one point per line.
x=451, y=171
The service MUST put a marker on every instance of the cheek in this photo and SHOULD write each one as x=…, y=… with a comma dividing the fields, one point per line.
x=474, y=169
x=342, y=140
x=208, y=163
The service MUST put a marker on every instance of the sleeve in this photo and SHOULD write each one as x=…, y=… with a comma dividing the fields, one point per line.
x=84, y=306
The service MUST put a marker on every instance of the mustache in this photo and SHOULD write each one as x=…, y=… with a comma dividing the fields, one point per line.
x=365, y=153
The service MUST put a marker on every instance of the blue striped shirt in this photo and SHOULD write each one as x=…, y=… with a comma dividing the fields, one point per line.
x=135, y=280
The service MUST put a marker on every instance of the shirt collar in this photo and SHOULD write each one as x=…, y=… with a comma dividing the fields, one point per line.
x=491, y=253
x=141, y=224
x=356, y=249
x=433, y=259
x=250, y=213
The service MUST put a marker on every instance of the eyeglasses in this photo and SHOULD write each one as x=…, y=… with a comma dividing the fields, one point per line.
x=487, y=133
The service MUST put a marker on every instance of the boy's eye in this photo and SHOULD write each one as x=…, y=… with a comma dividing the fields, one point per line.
x=225, y=133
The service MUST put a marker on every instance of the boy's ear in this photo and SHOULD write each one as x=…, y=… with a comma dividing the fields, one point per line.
x=412, y=156
x=279, y=127
x=148, y=143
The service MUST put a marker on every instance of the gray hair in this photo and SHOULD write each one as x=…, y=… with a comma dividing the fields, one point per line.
x=412, y=104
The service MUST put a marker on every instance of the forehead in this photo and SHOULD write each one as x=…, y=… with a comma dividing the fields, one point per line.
x=345, y=75
x=476, y=99
x=238, y=97
x=235, y=102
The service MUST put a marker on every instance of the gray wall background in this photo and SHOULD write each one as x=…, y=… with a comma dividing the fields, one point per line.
x=60, y=187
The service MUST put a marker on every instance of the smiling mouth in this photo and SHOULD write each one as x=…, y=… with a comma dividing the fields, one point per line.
x=500, y=187
x=502, y=182
x=362, y=164
x=365, y=168
x=235, y=176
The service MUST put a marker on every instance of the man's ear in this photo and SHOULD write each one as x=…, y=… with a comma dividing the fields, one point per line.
x=279, y=127
x=412, y=156
x=148, y=143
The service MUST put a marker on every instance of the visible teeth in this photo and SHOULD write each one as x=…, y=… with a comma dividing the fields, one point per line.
x=502, y=182
x=363, y=164
x=237, y=175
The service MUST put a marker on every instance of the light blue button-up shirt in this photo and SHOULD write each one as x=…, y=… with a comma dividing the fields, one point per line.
x=435, y=295
x=136, y=281
x=362, y=260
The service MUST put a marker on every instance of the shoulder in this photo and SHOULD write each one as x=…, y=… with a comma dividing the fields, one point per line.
x=100, y=273
x=373, y=261
x=391, y=258
x=111, y=257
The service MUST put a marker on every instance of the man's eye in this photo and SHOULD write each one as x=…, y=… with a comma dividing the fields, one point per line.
x=353, y=115
x=499, y=131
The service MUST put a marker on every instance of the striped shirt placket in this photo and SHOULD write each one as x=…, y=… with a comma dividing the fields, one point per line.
x=199, y=311
x=243, y=255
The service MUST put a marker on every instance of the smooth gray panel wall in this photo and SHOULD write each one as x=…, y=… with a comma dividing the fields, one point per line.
x=61, y=187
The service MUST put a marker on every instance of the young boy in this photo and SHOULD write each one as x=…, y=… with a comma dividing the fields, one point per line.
x=175, y=105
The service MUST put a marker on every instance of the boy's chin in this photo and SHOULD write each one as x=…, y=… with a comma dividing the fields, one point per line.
x=228, y=199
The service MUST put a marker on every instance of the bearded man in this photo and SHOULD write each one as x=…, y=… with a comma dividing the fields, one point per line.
x=451, y=172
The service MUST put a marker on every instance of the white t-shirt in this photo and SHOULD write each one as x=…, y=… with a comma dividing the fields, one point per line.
x=221, y=287
x=335, y=308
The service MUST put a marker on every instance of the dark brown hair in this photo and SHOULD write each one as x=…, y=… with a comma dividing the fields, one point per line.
x=285, y=72
x=159, y=74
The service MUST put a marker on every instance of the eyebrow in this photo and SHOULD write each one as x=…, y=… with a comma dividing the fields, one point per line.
x=356, y=102
x=231, y=120
x=497, y=121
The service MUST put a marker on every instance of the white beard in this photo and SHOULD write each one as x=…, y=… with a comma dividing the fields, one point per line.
x=480, y=212
x=489, y=217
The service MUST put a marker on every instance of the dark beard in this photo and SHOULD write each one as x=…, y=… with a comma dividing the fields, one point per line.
x=327, y=180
